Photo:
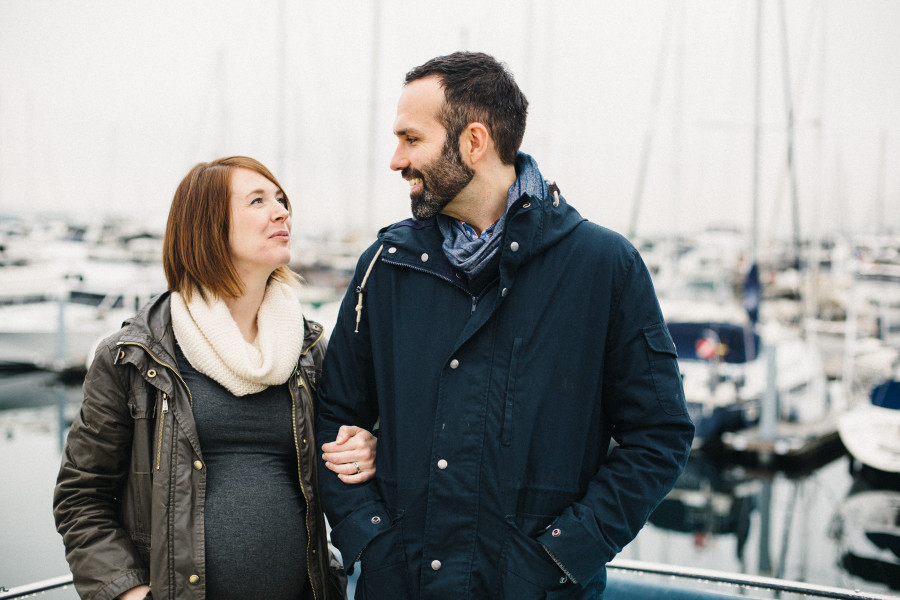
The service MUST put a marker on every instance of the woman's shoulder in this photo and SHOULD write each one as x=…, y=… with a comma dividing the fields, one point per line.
x=314, y=339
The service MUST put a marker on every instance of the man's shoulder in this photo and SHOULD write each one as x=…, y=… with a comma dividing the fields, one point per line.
x=597, y=238
x=413, y=224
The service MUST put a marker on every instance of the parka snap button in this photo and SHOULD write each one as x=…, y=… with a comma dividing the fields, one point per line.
x=454, y=363
x=526, y=205
x=504, y=291
x=442, y=464
x=514, y=246
x=424, y=257
x=194, y=578
x=198, y=465
x=435, y=565
x=391, y=250
x=556, y=532
x=563, y=579
x=376, y=520
x=121, y=354
x=151, y=373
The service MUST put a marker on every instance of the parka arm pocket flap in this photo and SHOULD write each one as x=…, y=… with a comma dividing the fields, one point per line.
x=663, y=363
x=659, y=339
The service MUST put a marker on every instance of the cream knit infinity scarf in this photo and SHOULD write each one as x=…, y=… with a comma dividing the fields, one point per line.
x=213, y=344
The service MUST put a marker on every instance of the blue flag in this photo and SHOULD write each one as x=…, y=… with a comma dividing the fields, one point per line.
x=752, y=293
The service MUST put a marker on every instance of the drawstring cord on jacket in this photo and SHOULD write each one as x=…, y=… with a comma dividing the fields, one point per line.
x=361, y=288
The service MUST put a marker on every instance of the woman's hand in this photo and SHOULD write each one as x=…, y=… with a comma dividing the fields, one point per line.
x=136, y=593
x=351, y=455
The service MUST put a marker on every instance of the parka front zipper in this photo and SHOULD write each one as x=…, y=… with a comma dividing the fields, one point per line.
x=439, y=276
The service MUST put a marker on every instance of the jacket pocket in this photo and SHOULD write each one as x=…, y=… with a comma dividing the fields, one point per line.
x=384, y=573
x=664, y=369
x=136, y=496
x=506, y=432
x=141, y=407
x=528, y=572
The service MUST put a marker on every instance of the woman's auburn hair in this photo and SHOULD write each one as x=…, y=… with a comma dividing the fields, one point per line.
x=196, y=251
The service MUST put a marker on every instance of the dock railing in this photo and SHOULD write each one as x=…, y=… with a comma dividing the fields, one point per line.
x=619, y=581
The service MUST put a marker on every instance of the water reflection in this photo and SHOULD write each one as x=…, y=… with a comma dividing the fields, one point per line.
x=729, y=517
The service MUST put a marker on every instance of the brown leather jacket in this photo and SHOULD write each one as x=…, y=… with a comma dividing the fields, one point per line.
x=130, y=494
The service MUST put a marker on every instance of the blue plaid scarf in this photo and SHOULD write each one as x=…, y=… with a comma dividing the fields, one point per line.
x=463, y=247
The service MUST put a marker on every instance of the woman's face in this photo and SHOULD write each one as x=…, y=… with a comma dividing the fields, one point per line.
x=260, y=232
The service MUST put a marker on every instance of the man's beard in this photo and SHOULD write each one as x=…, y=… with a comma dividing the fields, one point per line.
x=442, y=180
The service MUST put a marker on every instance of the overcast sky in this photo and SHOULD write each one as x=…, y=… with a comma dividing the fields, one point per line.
x=105, y=105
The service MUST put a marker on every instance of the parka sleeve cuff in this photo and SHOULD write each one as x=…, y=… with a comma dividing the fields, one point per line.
x=353, y=534
x=118, y=586
x=580, y=553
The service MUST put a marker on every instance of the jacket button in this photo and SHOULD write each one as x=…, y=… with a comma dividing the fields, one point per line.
x=151, y=373
x=121, y=354
x=376, y=520
x=454, y=363
x=304, y=442
x=194, y=578
x=504, y=291
x=514, y=246
x=556, y=532
x=526, y=205
x=435, y=565
x=442, y=464
x=198, y=465
x=563, y=579
x=424, y=257
x=391, y=250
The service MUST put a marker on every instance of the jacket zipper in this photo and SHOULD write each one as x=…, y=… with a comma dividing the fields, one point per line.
x=309, y=539
x=301, y=385
x=165, y=407
x=439, y=276
x=162, y=424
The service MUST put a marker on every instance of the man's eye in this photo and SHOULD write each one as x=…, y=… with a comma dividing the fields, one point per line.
x=411, y=140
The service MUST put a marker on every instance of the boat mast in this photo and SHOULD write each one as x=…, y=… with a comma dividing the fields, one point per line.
x=280, y=100
x=757, y=104
x=791, y=163
x=655, y=96
x=368, y=208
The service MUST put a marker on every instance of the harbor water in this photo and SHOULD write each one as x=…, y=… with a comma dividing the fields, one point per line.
x=727, y=517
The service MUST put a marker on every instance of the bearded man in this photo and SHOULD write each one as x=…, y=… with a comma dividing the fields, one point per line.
x=499, y=341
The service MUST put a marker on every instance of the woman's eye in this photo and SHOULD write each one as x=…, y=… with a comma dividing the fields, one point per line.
x=282, y=201
x=256, y=201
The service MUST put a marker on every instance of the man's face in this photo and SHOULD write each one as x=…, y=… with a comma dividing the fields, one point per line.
x=425, y=157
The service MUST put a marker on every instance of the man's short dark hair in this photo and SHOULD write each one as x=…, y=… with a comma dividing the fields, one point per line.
x=478, y=88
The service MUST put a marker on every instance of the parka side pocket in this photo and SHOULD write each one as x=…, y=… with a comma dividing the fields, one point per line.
x=141, y=406
x=510, y=397
x=663, y=362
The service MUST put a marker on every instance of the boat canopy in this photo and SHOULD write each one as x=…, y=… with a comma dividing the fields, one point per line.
x=887, y=395
x=735, y=344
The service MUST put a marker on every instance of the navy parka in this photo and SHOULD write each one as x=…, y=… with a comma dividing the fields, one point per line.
x=495, y=411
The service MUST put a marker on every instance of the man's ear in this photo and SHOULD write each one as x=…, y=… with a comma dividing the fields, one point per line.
x=474, y=142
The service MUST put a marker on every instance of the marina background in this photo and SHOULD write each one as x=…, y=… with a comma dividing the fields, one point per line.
x=105, y=105
x=644, y=112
